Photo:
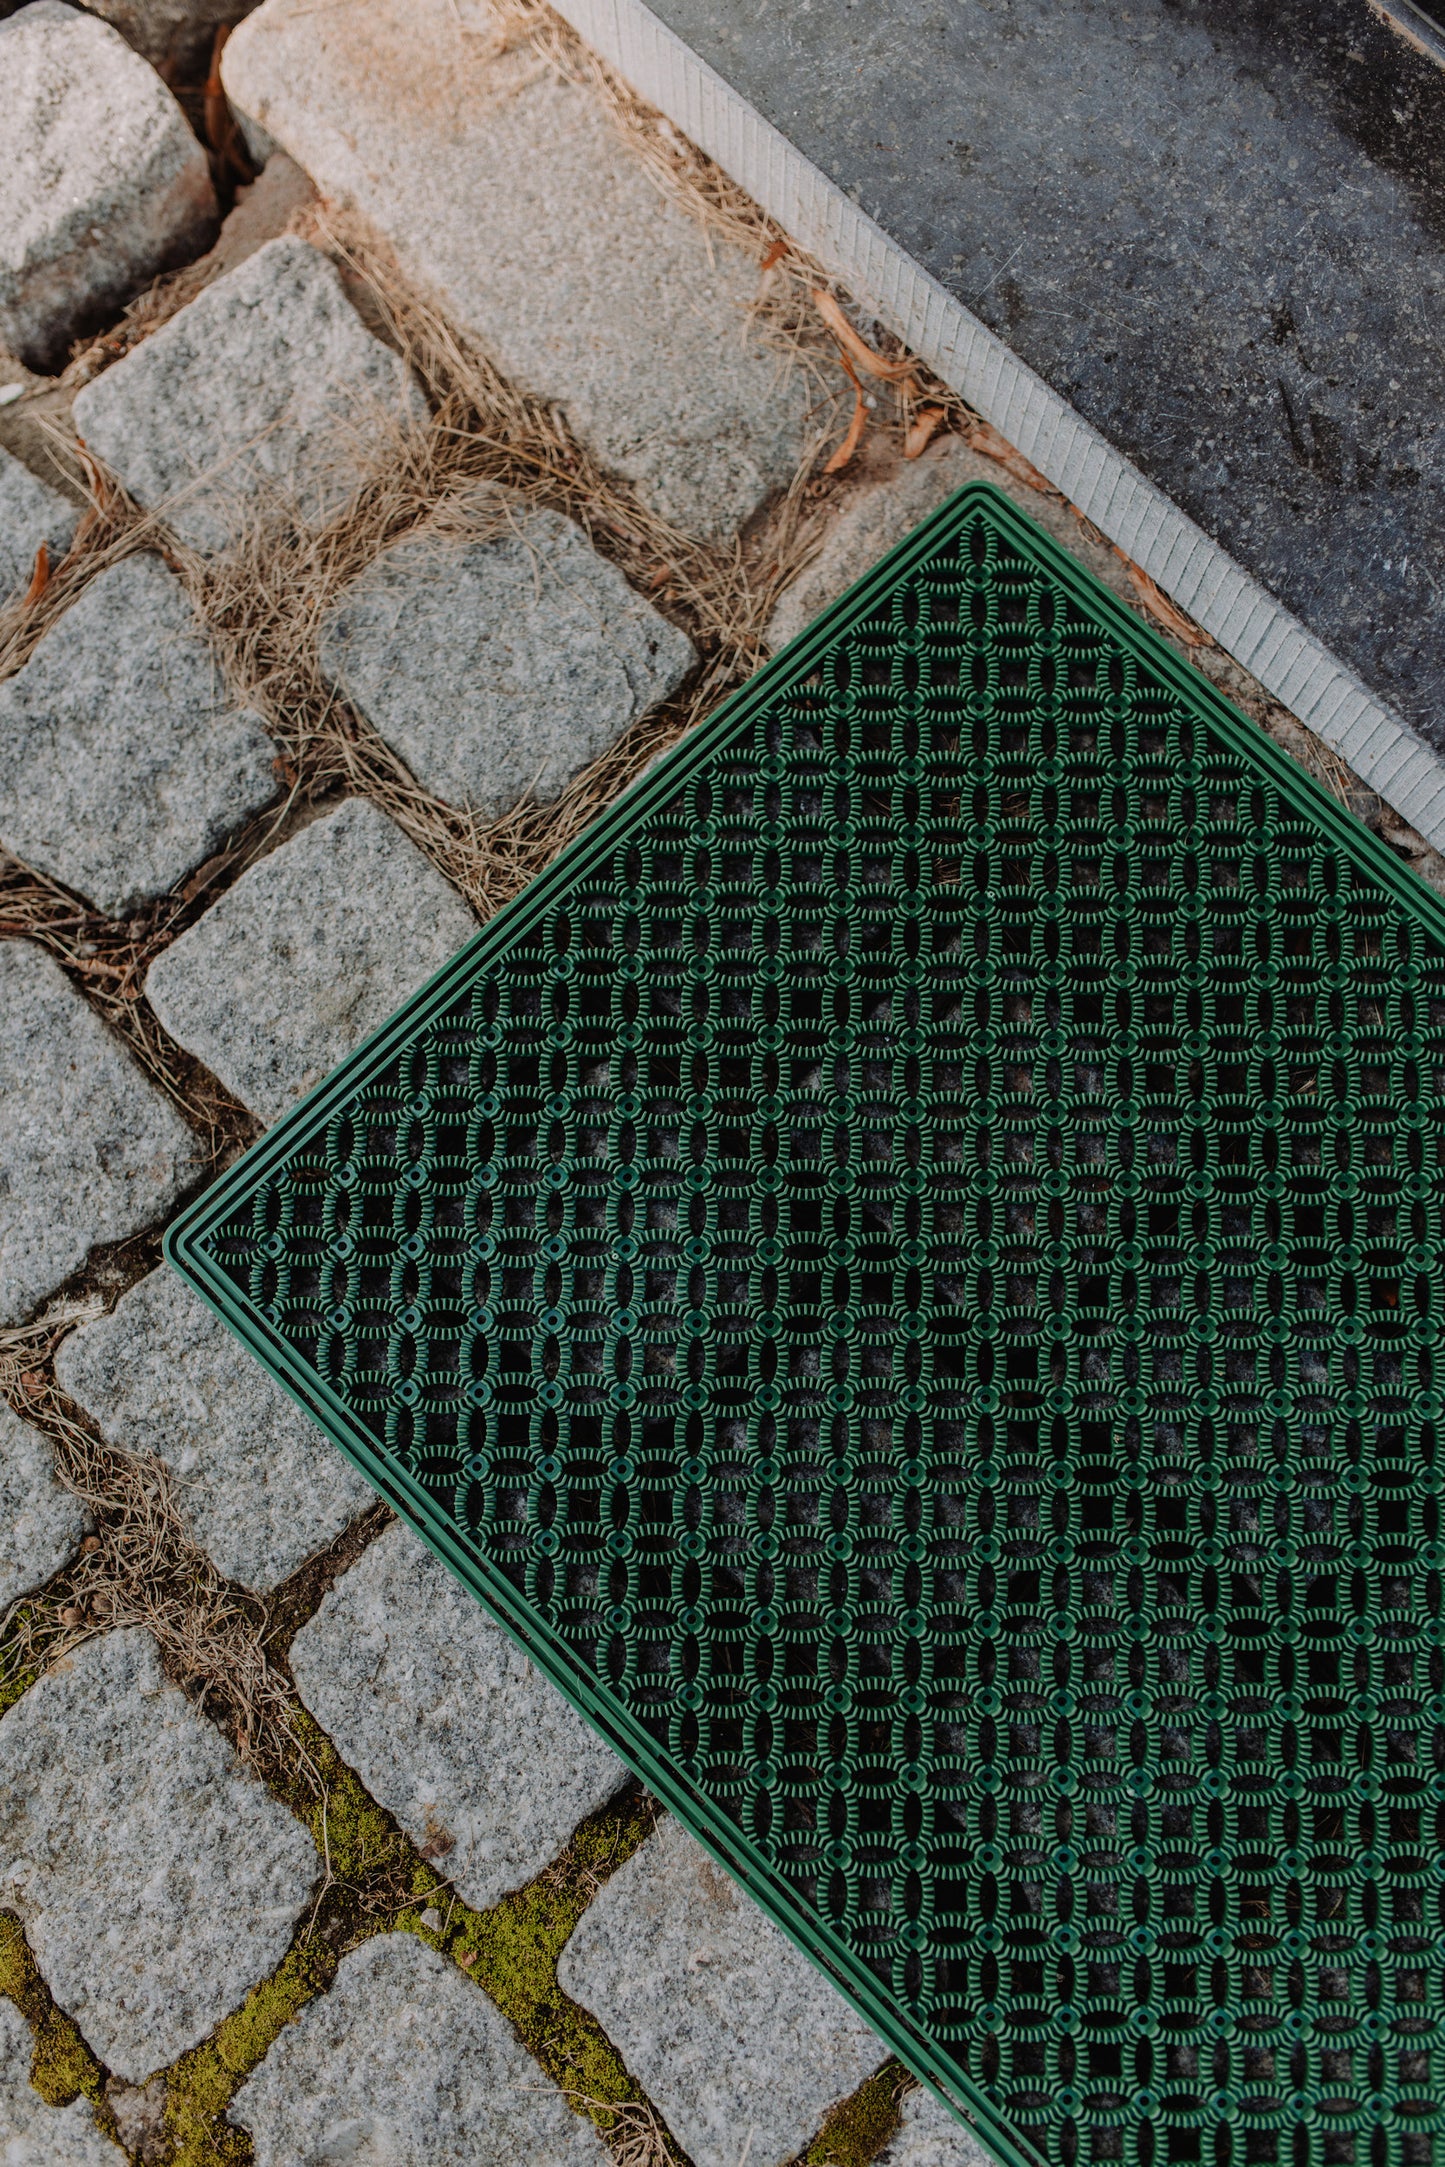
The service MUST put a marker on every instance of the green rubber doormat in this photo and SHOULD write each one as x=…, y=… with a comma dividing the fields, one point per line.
x=905, y=1270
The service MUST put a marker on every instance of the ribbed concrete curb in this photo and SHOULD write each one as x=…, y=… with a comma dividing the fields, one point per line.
x=1287, y=659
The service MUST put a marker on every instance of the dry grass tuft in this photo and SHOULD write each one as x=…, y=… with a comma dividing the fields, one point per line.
x=140, y=1566
x=266, y=599
x=631, y=2130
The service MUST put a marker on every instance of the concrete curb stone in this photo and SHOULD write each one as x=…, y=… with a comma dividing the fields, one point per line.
x=511, y=196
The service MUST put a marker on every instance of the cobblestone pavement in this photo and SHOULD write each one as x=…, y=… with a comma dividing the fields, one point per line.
x=408, y=525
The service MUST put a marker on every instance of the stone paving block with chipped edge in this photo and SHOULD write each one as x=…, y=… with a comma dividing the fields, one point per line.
x=932, y=2137
x=102, y=185
x=885, y=506
x=447, y=1723
x=734, y=2035
x=156, y=1880
x=266, y=391
x=41, y=1524
x=311, y=949
x=259, y=1485
x=513, y=197
x=30, y=513
x=405, y=2061
x=90, y=1150
x=498, y=668
x=125, y=762
x=33, y=2134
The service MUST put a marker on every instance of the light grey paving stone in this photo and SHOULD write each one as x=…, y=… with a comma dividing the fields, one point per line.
x=102, y=184
x=90, y=1151
x=30, y=513
x=446, y=1722
x=261, y=1487
x=266, y=387
x=156, y=1880
x=406, y=2064
x=501, y=665
x=125, y=763
x=741, y=2043
x=41, y=1524
x=311, y=949
x=31, y=2133
x=932, y=2137
x=514, y=198
x=889, y=505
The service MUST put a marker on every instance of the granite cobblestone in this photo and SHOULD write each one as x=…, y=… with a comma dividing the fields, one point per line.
x=448, y=1725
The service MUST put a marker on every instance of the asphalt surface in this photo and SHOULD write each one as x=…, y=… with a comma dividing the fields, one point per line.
x=1217, y=227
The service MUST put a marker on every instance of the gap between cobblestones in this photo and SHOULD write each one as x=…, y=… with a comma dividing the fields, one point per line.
x=264, y=603
x=227, y=1650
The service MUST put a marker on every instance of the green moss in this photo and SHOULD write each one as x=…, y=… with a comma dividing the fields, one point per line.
x=63, y=2067
x=33, y=1618
x=859, y=2127
x=512, y=1952
x=355, y=1837
x=379, y=1881
x=203, y=2082
x=369, y=1861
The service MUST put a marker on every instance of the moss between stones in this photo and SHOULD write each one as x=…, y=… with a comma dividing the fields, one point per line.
x=203, y=2082
x=859, y=2126
x=29, y=1627
x=378, y=1881
x=63, y=2067
x=512, y=1951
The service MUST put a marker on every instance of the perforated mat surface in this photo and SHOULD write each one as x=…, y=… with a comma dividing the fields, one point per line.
x=906, y=1269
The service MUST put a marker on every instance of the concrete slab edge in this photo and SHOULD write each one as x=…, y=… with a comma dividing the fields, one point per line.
x=1292, y=665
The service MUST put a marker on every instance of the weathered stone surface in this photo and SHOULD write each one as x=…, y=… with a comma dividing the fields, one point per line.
x=889, y=504
x=174, y=35
x=156, y=1880
x=29, y=515
x=446, y=1722
x=309, y=951
x=40, y=1522
x=261, y=1487
x=266, y=387
x=261, y=213
x=89, y=1149
x=125, y=764
x=514, y=197
x=102, y=184
x=500, y=666
x=32, y=2134
x=404, y=2062
x=932, y=2137
x=742, y=2045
